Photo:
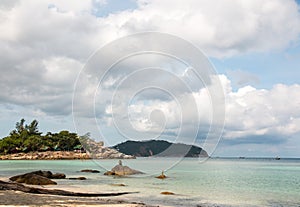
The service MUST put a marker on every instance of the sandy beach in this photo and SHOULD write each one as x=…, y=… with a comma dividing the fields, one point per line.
x=16, y=198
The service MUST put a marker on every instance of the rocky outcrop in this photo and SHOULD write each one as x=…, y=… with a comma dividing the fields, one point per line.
x=38, y=178
x=121, y=170
x=32, y=179
x=97, y=151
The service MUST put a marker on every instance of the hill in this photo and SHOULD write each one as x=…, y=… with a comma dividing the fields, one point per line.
x=159, y=148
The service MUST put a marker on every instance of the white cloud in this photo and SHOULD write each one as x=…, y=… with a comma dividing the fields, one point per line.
x=250, y=112
x=220, y=28
x=44, y=44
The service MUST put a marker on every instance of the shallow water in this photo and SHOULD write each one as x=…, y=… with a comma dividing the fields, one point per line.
x=223, y=182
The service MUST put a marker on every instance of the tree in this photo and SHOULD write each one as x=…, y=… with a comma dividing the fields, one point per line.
x=20, y=126
x=32, y=129
x=27, y=138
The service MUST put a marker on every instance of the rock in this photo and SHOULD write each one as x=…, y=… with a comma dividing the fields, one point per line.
x=38, y=178
x=162, y=176
x=109, y=173
x=47, y=155
x=118, y=184
x=124, y=170
x=32, y=179
x=121, y=170
x=79, y=178
x=98, y=151
x=46, y=174
x=49, y=174
x=90, y=171
x=58, y=176
x=167, y=193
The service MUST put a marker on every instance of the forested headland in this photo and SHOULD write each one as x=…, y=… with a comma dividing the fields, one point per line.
x=28, y=138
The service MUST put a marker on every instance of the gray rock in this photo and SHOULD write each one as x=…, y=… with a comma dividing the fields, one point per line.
x=122, y=170
x=98, y=151
x=32, y=179
x=58, y=176
x=49, y=174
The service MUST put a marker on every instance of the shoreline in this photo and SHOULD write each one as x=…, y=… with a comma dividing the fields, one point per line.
x=17, y=198
x=62, y=155
x=14, y=197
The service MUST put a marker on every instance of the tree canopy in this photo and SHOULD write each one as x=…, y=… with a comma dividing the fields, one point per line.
x=28, y=138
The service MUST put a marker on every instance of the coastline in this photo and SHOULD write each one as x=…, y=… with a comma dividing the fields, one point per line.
x=19, y=198
x=64, y=155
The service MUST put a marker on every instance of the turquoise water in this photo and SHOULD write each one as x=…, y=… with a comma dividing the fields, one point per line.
x=222, y=182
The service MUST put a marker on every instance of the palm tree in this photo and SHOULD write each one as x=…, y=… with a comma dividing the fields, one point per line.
x=33, y=128
x=20, y=126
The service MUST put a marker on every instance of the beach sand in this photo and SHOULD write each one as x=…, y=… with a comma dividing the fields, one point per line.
x=16, y=198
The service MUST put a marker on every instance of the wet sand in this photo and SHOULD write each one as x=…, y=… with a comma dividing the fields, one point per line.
x=16, y=198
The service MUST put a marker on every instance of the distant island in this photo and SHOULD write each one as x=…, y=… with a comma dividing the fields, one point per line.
x=159, y=148
x=27, y=142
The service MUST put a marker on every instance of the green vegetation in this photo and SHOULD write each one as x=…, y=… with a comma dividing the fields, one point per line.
x=27, y=138
x=159, y=148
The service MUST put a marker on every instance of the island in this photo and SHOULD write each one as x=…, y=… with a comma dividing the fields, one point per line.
x=159, y=148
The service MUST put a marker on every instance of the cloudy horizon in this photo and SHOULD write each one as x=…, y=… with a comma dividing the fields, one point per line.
x=253, y=45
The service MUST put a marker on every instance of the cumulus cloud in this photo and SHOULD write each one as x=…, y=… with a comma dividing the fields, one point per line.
x=220, y=28
x=260, y=112
x=44, y=45
x=252, y=115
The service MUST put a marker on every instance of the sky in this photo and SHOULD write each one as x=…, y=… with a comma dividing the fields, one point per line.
x=47, y=49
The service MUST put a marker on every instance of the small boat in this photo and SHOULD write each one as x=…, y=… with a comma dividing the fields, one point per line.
x=277, y=158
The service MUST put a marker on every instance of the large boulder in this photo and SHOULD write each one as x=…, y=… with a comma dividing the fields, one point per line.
x=32, y=179
x=46, y=174
x=49, y=174
x=122, y=170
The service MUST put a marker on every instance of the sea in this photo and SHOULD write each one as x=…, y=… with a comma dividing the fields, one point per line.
x=195, y=182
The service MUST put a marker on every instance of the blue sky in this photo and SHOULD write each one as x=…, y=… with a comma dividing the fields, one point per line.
x=256, y=55
x=270, y=68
